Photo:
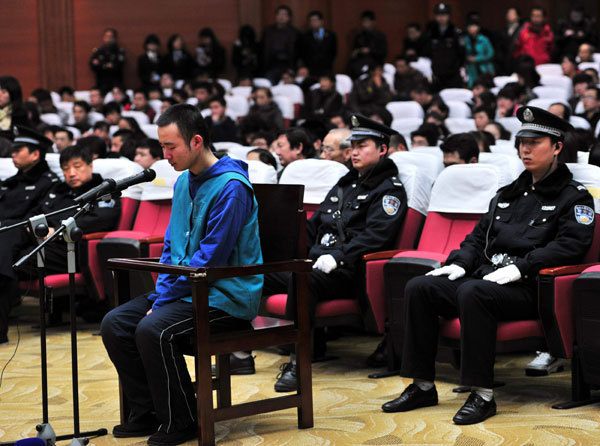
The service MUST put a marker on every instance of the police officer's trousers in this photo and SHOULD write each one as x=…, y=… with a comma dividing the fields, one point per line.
x=150, y=364
x=479, y=304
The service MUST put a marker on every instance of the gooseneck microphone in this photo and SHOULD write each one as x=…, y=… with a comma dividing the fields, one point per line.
x=106, y=187
x=142, y=177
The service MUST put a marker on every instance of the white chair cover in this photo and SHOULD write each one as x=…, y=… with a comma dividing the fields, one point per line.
x=117, y=169
x=460, y=125
x=427, y=163
x=55, y=97
x=458, y=109
x=585, y=65
x=343, y=84
x=559, y=94
x=589, y=176
x=262, y=82
x=7, y=168
x=580, y=123
x=162, y=186
x=192, y=101
x=464, y=188
x=505, y=149
x=156, y=105
x=543, y=103
x=95, y=117
x=417, y=186
x=405, y=109
x=389, y=68
x=406, y=125
x=552, y=69
x=151, y=130
x=510, y=167
x=511, y=123
x=225, y=83
x=261, y=173
x=286, y=106
x=317, y=176
x=501, y=81
x=75, y=131
x=423, y=64
x=140, y=117
x=456, y=94
x=563, y=82
x=54, y=164
x=583, y=157
x=430, y=150
x=82, y=95
x=237, y=106
x=51, y=119
x=242, y=91
x=293, y=92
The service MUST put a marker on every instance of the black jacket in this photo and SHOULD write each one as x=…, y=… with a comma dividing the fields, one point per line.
x=224, y=131
x=148, y=70
x=549, y=224
x=107, y=64
x=21, y=193
x=372, y=211
x=104, y=216
x=447, y=51
x=318, y=54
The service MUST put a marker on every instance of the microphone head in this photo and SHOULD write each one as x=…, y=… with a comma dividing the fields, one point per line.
x=149, y=174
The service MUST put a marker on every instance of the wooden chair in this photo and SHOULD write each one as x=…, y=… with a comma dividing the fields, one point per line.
x=282, y=224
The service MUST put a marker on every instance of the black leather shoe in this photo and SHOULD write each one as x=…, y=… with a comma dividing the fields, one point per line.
x=475, y=410
x=286, y=380
x=379, y=357
x=141, y=428
x=412, y=398
x=238, y=366
x=174, y=438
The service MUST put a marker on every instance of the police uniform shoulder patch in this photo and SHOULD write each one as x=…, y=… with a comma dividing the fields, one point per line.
x=104, y=204
x=391, y=204
x=581, y=187
x=584, y=214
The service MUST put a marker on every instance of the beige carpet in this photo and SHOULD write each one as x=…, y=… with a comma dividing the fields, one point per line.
x=346, y=403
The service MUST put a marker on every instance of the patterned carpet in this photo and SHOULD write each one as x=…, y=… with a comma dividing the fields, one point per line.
x=346, y=402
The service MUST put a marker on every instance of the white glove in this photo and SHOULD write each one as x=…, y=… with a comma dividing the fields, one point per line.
x=325, y=263
x=452, y=271
x=504, y=275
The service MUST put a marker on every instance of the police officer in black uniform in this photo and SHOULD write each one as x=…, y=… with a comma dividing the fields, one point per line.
x=362, y=213
x=543, y=219
x=107, y=61
x=76, y=164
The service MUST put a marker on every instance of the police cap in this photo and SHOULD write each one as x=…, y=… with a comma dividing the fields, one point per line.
x=537, y=122
x=442, y=8
x=24, y=136
x=363, y=128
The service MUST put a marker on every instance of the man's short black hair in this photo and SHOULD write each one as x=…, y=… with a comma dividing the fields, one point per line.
x=539, y=8
x=218, y=99
x=202, y=85
x=483, y=109
x=567, y=110
x=94, y=145
x=316, y=13
x=111, y=107
x=421, y=87
x=153, y=145
x=428, y=131
x=284, y=8
x=508, y=92
x=297, y=136
x=123, y=133
x=396, y=140
x=582, y=78
x=66, y=89
x=368, y=14
x=76, y=151
x=596, y=89
x=414, y=25
x=463, y=143
x=67, y=131
x=484, y=80
x=100, y=125
x=142, y=91
x=265, y=156
x=188, y=120
x=113, y=31
x=99, y=90
x=83, y=104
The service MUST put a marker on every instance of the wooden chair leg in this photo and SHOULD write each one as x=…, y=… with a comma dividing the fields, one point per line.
x=224, y=381
x=303, y=361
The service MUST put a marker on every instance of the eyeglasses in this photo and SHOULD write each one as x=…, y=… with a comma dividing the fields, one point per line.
x=328, y=149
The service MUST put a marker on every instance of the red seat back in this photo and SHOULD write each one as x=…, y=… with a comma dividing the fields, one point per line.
x=153, y=217
x=129, y=208
x=444, y=232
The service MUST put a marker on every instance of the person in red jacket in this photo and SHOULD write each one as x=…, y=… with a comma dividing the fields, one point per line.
x=536, y=38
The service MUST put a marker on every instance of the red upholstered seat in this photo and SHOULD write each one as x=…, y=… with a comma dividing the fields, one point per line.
x=55, y=281
x=507, y=331
x=333, y=308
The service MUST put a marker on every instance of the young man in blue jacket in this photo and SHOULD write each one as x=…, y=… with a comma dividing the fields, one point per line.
x=213, y=223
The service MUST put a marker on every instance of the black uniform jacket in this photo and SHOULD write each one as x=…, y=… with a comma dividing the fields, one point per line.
x=24, y=191
x=104, y=216
x=372, y=211
x=543, y=225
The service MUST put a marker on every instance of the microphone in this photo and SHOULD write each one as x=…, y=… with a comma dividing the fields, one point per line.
x=142, y=177
x=103, y=188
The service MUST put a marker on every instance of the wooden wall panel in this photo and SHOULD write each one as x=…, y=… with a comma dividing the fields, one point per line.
x=19, y=50
x=134, y=19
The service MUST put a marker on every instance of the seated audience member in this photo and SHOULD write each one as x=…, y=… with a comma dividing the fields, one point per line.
x=336, y=146
x=140, y=103
x=203, y=92
x=147, y=152
x=167, y=83
x=460, y=148
x=222, y=127
x=591, y=106
x=179, y=96
x=94, y=145
x=118, y=139
x=561, y=110
x=67, y=94
x=433, y=117
x=371, y=203
x=262, y=155
x=154, y=93
x=482, y=116
x=121, y=97
x=397, y=144
x=97, y=99
x=484, y=140
x=223, y=232
x=101, y=130
x=324, y=101
x=316, y=132
x=568, y=64
x=129, y=123
x=581, y=82
x=488, y=100
x=493, y=276
x=262, y=140
x=370, y=91
x=81, y=110
x=43, y=99
x=406, y=79
x=422, y=94
x=497, y=130
x=595, y=155
x=76, y=164
x=415, y=43
x=166, y=103
x=265, y=111
x=593, y=73
x=112, y=113
x=339, y=121
x=293, y=144
x=507, y=102
x=585, y=53
x=426, y=135
x=380, y=114
x=484, y=83
x=63, y=138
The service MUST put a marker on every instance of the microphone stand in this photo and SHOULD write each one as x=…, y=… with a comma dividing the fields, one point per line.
x=71, y=234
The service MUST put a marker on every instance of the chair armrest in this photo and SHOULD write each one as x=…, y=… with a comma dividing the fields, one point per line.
x=565, y=270
x=211, y=273
x=94, y=236
x=153, y=239
x=382, y=255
